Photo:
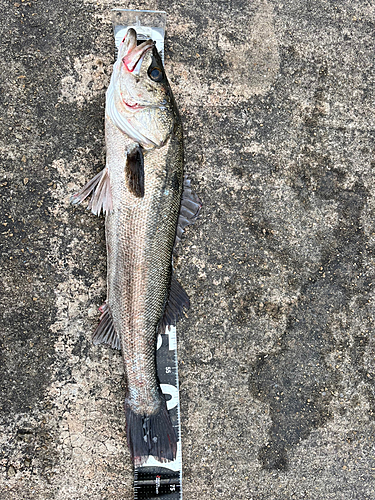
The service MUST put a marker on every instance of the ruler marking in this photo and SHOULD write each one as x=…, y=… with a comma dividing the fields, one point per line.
x=154, y=480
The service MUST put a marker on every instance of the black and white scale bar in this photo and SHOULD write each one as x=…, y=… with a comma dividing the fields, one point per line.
x=162, y=485
x=155, y=480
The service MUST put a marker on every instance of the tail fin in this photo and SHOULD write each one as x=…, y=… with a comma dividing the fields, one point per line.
x=150, y=435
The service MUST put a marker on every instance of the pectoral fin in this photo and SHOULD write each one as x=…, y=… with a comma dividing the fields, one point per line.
x=102, y=197
x=134, y=172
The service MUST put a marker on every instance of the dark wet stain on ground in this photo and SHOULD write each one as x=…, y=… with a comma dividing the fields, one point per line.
x=296, y=382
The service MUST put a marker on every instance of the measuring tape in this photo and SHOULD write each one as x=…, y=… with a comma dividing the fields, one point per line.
x=153, y=479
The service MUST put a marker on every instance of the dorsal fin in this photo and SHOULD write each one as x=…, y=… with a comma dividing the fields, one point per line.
x=105, y=332
x=134, y=171
x=178, y=300
x=189, y=211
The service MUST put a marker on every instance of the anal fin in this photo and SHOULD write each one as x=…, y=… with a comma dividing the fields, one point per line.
x=105, y=332
x=178, y=300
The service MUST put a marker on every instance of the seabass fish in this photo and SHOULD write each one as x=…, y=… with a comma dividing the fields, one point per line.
x=148, y=203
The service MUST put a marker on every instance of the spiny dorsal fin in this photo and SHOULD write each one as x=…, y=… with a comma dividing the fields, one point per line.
x=134, y=171
x=105, y=332
x=101, y=189
x=189, y=211
x=178, y=300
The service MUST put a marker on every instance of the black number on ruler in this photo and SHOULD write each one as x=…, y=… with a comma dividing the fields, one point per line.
x=157, y=482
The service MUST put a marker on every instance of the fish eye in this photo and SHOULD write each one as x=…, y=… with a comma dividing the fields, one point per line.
x=155, y=74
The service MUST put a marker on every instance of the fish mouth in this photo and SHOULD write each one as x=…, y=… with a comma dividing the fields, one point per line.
x=133, y=107
x=134, y=54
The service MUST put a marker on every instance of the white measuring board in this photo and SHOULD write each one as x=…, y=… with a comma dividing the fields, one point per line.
x=153, y=479
x=147, y=24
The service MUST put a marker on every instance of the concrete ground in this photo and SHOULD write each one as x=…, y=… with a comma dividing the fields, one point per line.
x=276, y=356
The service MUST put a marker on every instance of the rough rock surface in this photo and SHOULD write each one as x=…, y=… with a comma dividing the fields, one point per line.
x=277, y=353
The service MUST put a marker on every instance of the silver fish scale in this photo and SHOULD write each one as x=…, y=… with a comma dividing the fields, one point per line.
x=140, y=234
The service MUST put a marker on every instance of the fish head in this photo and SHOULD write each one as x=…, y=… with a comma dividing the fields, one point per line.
x=139, y=100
